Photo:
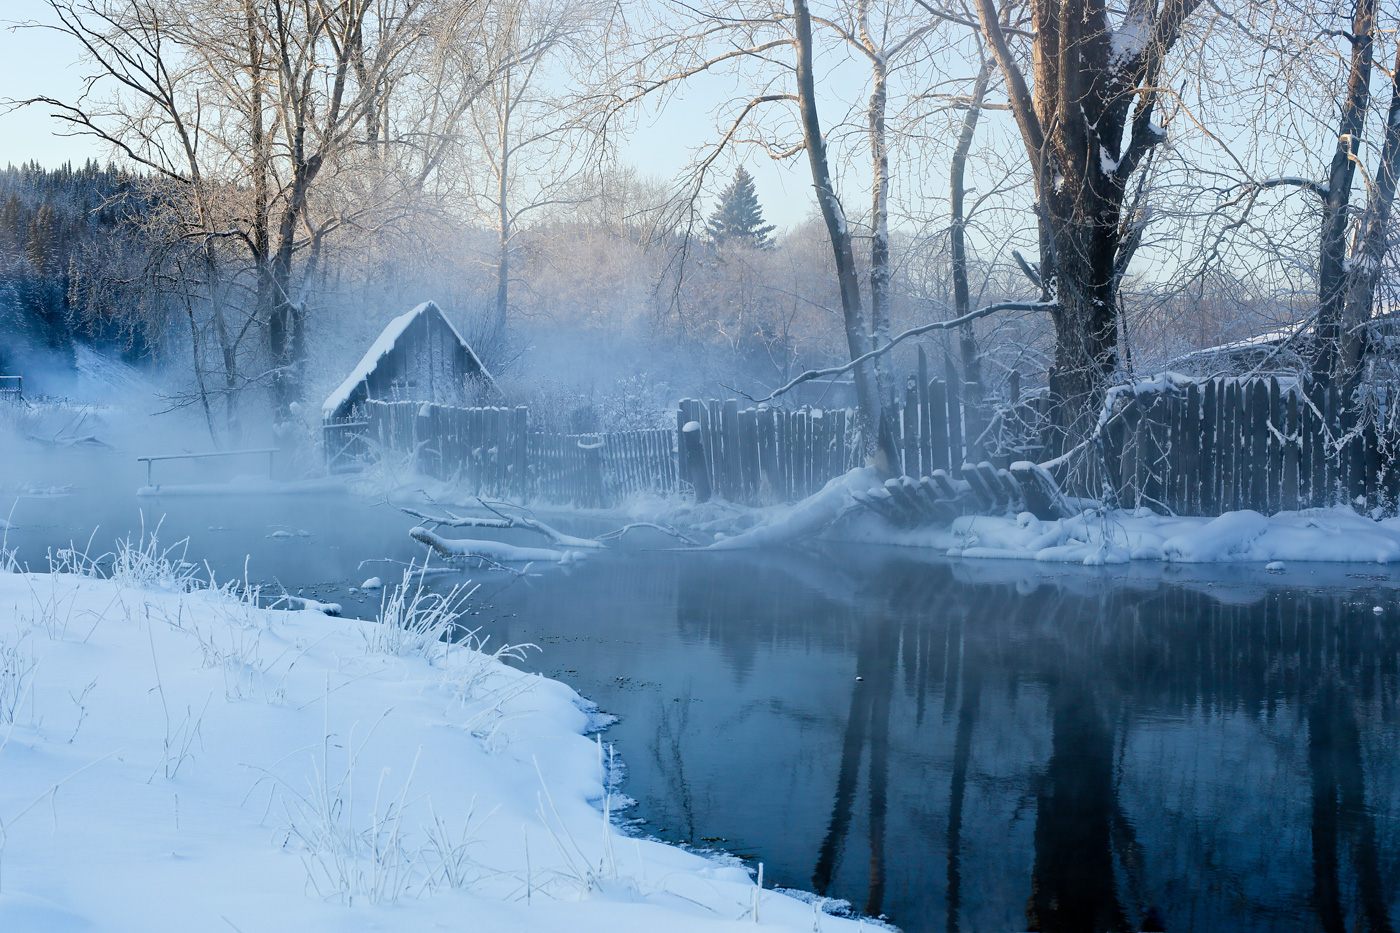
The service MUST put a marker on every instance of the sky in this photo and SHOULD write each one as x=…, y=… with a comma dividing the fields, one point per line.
x=35, y=62
x=42, y=62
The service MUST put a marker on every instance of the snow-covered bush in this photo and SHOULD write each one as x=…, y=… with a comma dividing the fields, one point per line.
x=414, y=621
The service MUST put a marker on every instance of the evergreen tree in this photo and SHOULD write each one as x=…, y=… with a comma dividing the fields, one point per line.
x=738, y=217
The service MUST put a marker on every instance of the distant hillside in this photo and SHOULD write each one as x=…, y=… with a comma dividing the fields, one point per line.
x=53, y=222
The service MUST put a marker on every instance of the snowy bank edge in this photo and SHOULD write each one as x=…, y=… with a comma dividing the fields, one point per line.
x=697, y=893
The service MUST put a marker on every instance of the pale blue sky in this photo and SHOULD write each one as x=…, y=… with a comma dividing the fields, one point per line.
x=36, y=62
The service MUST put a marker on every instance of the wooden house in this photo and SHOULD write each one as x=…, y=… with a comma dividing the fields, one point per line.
x=419, y=357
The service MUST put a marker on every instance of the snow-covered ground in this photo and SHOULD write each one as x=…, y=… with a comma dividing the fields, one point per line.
x=174, y=758
x=1096, y=536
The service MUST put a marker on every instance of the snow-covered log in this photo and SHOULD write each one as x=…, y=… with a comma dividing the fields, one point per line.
x=496, y=551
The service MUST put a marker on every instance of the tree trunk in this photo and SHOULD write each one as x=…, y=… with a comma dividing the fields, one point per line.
x=879, y=440
x=962, y=298
x=503, y=225
x=286, y=327
x=1365, y=269
x=1086, y=126
x=1332, y=254
x=879, y=213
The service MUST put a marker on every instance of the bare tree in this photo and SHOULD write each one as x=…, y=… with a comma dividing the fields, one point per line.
x=242, y=107
x=1087, y=121
x=529, y=134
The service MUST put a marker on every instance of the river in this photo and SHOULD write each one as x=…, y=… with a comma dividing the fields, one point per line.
x=991, y=745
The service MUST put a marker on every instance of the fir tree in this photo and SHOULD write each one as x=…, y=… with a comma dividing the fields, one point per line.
x=738, y=217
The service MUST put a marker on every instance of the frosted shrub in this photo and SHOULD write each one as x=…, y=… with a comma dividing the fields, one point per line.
x=16, y=671
x=143, y=563
x=415, y=622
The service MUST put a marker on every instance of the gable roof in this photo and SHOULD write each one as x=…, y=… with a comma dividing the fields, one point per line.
x=383, y=345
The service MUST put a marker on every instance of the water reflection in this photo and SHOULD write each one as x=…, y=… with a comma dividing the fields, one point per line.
x=1006, y=748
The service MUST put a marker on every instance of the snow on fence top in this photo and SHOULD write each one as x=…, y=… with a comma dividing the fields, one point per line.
x=356, y=386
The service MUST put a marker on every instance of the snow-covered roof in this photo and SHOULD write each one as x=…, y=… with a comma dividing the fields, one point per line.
x=381, y=348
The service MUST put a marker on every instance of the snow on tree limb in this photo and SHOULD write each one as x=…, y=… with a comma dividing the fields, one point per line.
x=811, y=374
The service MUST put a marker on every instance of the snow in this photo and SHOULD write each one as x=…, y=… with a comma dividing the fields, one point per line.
x=811, y=515
x=1117, y=536
x=1130, y=39
x=489, y=550
x=1107, y=163
x=178, y=759
x=373, y=583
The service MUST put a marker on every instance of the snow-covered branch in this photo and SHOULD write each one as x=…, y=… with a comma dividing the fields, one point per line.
x=971, y=316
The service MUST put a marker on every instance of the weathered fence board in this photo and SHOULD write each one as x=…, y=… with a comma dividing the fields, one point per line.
x=1201, y=448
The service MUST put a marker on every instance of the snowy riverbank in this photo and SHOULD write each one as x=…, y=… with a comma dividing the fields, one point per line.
x=1096, y=536
x=173, y=758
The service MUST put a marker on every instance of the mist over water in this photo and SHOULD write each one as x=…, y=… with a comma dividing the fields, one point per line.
x=954, y=745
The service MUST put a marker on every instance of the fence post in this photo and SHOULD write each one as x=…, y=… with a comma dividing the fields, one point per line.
x=767, y=451
x=1276, y=429
x=925, y=418
x=747, y=429
x=911, y=427
x=938, y=420
x=521, y=459
x=1288, y=499
x=593, y=472
x=956, y=456
x=694, y=457
x=1210, y=463
x=1193, y=430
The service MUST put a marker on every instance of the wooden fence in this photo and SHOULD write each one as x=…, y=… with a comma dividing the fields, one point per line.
x=1206, y=447
x=767, y=454
x=484, y=449
x=11, y=388
x=762, y=455
x=492, y=452
x=1189, y=447
x=600, y=469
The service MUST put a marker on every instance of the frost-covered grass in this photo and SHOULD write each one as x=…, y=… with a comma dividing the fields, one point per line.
x=174, y=757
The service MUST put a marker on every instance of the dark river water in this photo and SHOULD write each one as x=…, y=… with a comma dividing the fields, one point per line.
x=957, y=746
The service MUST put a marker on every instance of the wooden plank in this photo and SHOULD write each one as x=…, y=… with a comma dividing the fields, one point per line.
x=1309, y=474
x=682, y=419
x=768, y=453
x=1193, y=430
x=911, y=427
x=1210, y=451
x=956, y=452
x=1292, y=452
x=972, y=416
x=1332, y=431
x=1258, y=445
x=1274, y=491
x=925, y=418
x=986, y=498
x=839, y=438
x=1371, y=466
x=709, y=436
x=1125, y=441
x=1346, y=460
x=748, y=452
x=519, y=444
x=1176, y=489
x=782, y=450
x=1231, y=499
x=938, y=416
x=802, y=456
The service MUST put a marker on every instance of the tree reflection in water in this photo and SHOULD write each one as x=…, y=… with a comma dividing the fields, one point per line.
x=969, y=746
